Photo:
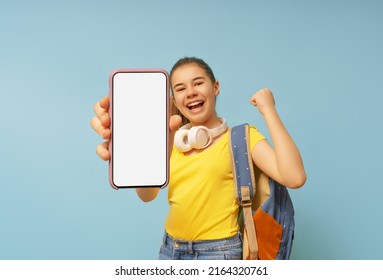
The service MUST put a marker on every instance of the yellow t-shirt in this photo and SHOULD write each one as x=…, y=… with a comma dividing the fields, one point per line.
x=201, y=192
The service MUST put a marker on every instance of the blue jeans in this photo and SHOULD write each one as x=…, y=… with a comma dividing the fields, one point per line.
x=222, y=249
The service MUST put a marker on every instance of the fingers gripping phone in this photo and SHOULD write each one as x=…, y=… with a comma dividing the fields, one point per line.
x=139, y=111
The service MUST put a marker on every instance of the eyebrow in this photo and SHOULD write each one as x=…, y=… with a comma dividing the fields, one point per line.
x=194, y=79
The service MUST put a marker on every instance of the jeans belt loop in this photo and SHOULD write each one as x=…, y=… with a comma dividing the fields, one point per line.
x=190, y=247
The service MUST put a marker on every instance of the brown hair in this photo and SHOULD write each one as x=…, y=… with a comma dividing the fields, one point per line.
x=189, y=60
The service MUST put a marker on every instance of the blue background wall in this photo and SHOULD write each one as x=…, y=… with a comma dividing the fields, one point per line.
x=322, y=59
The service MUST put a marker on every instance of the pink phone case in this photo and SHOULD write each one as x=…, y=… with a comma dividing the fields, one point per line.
x=111, y=167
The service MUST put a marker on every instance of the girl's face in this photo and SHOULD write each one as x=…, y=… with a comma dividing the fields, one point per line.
x=194, y=95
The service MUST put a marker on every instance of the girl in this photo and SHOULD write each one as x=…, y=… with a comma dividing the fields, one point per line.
x=202, y=219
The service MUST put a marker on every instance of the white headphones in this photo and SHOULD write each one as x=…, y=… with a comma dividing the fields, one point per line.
x=197, y=137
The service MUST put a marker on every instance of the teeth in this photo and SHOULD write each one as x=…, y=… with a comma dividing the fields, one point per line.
x=194, y=103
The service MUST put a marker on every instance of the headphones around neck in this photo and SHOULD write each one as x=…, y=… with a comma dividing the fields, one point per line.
x=197, y=137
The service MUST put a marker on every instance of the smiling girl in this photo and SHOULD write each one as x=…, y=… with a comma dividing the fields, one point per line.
x=202, y=220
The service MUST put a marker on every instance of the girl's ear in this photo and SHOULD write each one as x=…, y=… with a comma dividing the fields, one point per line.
x=216, y=88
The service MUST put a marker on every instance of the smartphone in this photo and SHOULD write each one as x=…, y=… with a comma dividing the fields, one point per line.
x=139, y=111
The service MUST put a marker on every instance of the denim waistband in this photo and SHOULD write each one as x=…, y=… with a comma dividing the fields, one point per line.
x=203, y=245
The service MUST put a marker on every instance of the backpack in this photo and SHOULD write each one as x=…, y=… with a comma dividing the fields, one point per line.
x=267, y=216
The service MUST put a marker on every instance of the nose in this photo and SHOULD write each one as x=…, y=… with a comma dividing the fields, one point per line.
x=190, y=92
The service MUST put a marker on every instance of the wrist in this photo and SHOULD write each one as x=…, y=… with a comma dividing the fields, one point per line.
x=269, y=111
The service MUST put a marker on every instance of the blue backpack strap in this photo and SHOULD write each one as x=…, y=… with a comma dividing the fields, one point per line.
x=243, y=172
x=243, y=175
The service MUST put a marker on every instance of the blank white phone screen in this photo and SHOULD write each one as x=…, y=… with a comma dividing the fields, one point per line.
x=139, y=129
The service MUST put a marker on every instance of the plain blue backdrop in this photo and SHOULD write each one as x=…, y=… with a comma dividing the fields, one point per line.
x=322, y=59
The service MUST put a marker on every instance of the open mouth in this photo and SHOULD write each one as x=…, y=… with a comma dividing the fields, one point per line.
x=195, y=105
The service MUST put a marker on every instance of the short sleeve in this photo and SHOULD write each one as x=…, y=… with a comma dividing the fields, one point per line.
x=255, y=137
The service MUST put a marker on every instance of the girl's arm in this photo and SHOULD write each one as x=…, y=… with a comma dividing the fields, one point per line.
x=283, y=163
x=147, y=194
